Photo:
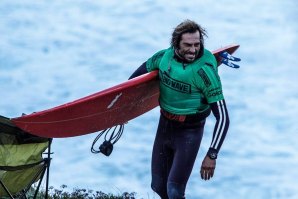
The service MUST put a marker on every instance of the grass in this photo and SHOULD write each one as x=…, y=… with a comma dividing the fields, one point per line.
x=77, y=193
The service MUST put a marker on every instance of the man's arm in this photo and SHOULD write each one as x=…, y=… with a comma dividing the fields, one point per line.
x=140, y=71
x=151, y=64
x=220, y=112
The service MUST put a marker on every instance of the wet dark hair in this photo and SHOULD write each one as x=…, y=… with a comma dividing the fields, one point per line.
x=188, y=26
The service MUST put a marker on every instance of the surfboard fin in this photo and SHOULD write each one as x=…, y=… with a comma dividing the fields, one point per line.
x=229, y=59
x=229, y=63
x=228, y=56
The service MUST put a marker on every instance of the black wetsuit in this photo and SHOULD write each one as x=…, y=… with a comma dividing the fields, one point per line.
x=177, y=143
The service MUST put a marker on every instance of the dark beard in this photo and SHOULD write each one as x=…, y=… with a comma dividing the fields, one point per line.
x=181, y=59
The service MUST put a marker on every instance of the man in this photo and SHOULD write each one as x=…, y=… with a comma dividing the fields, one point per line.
x=190, y=89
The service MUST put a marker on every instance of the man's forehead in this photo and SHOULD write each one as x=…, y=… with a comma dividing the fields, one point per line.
x=191, y=36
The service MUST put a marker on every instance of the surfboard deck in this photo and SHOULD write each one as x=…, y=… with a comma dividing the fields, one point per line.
x=101, y=110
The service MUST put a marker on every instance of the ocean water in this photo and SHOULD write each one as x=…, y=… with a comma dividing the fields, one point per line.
x=53, y=52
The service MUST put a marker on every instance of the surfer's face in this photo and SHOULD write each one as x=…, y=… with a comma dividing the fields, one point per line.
x=189, y=46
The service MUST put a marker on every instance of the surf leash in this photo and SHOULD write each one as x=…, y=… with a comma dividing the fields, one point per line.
x=106, y=147
x=229, y=59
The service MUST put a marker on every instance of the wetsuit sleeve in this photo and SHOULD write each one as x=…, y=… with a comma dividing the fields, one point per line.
x=220, y=112
x=140, y=71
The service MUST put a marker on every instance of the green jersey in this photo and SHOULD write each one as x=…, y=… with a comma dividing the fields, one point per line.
x=186, y=88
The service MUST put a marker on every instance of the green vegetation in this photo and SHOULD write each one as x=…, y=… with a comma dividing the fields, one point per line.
x=80, y=194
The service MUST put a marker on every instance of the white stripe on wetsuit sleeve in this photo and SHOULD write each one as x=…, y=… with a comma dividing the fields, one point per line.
x=221, y=125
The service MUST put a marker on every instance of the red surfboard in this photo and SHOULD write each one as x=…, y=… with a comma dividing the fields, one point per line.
x=105, y=109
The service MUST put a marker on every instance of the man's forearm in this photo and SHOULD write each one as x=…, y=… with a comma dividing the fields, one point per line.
x=220, y=112
x=140, y=71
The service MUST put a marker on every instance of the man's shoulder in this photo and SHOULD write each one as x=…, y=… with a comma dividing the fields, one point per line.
x=208, y=58
x=160, y=54
x=208, y=53
x=164, y=51
x=154, y=61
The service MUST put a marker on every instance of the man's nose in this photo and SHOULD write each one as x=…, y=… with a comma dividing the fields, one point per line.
x=192, y=49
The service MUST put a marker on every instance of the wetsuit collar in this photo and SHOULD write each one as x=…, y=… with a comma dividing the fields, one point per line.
x=178, y=57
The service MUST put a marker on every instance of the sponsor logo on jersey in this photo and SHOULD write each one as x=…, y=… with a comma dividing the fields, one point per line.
x=209, y=64
x=175, y=84
x=214, y=92
x=204, y=77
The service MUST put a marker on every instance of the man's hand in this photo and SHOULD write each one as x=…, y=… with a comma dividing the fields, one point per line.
x=207, y=168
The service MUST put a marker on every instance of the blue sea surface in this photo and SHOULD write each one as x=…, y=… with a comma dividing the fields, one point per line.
x=53, y=52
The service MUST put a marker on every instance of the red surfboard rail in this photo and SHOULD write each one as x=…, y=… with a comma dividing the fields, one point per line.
x=101, y=110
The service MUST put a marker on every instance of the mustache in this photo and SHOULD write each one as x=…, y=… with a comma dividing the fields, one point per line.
x=192, y=53
x=181, y=55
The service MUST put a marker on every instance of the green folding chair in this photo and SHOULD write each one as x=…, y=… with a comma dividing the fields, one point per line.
x=21, y=161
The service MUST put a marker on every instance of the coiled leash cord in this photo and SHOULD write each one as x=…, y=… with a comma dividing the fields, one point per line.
x=107, y=146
